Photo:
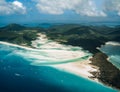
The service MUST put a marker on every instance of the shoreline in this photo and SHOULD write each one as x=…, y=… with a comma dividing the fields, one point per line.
x=16, y=45
x=108, y=75
x=82, y=65
x=78, y=67
x=64, y=55
x=58, y=44
x=85, y=68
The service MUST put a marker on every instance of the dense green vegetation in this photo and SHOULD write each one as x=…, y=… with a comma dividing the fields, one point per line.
x=18, y=34
x=89, y=37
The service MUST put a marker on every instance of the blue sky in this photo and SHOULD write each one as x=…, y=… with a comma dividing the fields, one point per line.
x=59, y=11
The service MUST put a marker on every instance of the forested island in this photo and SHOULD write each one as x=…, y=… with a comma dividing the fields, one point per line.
x=88, y=37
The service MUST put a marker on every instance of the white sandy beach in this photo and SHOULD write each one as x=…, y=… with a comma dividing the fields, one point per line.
x=56, y=52
x=52, y=54
x=15, y=45
x=80, y=68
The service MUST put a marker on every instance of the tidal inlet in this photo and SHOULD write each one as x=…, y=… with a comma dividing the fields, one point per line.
x=59, y=46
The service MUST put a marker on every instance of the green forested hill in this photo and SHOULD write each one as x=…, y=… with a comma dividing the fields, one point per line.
x=89, y=37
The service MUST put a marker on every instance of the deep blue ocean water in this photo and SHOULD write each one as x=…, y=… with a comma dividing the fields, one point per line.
x=18, y=75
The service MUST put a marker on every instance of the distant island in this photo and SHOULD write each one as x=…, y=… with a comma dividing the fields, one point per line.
x=87, y=37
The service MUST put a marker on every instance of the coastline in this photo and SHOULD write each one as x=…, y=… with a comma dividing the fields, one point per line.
x=109, y=74
x=79, y=68
x=112, y=50
x=15, y=45
x=86, y=68
x=76, y=67
x=54, y=47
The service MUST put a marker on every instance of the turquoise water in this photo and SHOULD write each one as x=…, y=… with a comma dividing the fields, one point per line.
x=18, y=75
x=113, y=51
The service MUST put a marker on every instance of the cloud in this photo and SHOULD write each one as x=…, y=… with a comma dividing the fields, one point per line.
x=82, y=7
x=58, y=7
x=7, y=8
x=88, y=8
x=112, y=5
x=54, y=6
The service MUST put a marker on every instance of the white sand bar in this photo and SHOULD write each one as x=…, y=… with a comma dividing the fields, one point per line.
x=50, y=51
x=78, y=68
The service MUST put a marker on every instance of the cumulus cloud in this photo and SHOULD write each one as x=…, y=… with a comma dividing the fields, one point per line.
x=11, y=7
x=112, y=5
x=88, y=8
x=54, y=6
x=57, y=7
x=82, y=7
